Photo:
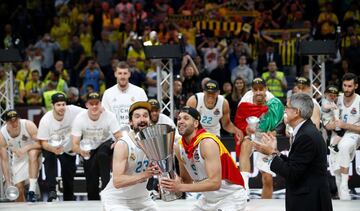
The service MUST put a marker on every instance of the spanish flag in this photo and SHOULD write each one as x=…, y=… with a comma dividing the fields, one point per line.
x=229, y=169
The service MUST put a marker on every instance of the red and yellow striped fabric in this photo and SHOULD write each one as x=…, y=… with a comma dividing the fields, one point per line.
x=229, y=169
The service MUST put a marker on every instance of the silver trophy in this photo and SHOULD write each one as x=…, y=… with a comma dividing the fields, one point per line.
x=157, y=142
x=11, y=191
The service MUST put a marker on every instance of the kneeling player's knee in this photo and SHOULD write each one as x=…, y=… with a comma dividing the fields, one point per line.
x=246, y=147
x=34, y=154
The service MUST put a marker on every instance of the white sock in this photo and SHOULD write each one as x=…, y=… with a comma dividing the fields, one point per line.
x=32, y=186
x=344, y=180
x=245, y=176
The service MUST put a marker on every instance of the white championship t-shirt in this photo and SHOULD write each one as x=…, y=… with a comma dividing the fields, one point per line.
x=97, y=131
x=49, y=126
x=119, y=102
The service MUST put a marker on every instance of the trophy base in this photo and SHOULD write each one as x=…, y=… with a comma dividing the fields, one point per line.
x=169, y=196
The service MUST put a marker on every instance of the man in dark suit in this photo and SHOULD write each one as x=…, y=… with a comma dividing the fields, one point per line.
x=266, y=58
x=304, y=169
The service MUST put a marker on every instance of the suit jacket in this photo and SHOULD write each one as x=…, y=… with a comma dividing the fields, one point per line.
x=305, y=171
x=263, y=62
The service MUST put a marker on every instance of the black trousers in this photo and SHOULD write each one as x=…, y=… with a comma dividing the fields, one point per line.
x=99, y=165
x=68, y=169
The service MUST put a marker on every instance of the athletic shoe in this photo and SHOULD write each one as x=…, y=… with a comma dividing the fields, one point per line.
x=52, y=196
x=31, y=196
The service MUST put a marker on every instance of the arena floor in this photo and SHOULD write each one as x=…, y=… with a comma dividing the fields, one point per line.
x=179, y=205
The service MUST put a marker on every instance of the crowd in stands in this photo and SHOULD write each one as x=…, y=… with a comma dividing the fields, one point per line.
x=73, y=45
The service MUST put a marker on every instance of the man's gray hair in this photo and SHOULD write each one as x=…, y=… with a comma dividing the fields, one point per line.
x=74, y=91
x=304, y=103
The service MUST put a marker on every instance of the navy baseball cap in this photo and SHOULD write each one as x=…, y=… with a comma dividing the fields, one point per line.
x=11, y=115
x=211, y=86
x=58, y=97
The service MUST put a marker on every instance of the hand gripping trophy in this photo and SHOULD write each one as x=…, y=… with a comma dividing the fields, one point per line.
x=157, y=142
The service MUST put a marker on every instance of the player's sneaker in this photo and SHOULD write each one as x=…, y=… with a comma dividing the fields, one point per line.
x=31, y=196
x=52, y=196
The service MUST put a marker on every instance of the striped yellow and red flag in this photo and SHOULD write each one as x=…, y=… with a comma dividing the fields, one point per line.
x=229, y=169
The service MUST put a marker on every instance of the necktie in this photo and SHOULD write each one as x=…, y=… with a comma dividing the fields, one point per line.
x=291, y=141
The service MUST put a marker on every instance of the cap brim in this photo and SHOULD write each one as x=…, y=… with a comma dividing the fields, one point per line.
x=12, y=119
x=137, y=105
x=155, y=107
x=211, y=91
x=98, y=99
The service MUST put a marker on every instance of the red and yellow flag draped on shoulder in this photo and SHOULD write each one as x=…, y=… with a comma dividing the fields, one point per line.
x=229, y=169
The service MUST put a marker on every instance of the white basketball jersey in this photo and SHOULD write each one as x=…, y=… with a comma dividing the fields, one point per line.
x=351, y=113
x=210, y=118
x=195, y=166
x=196, y=170
x=136, y=163
x=17, y=142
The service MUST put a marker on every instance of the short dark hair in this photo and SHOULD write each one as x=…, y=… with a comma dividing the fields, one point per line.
x=349, y=77
x=122, y=65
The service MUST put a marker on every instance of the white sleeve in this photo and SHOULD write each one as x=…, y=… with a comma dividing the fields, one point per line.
x=114, y=124
x=143, y=96
x=76, y=128
x=77, y=109
x=105, y=101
